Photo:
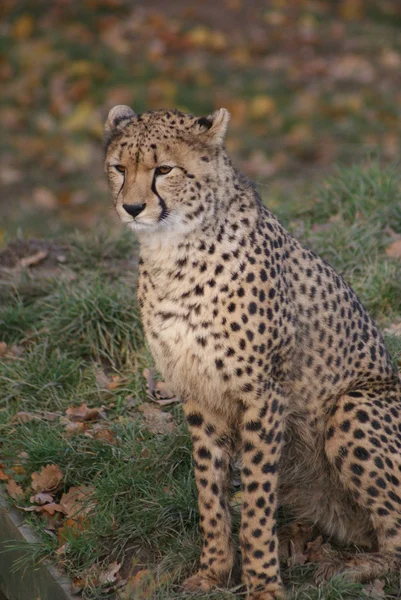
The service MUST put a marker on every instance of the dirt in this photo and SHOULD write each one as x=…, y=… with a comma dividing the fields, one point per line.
x=54, y=253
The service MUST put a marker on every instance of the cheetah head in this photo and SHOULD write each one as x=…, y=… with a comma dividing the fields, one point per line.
x=163, y=166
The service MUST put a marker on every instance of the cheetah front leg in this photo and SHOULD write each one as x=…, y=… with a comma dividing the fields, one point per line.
x=262, y=430
x=212, y=445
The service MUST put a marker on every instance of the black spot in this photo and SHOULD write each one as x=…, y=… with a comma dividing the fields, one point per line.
x=204, y=453
x=361, y=453
x=195, y=419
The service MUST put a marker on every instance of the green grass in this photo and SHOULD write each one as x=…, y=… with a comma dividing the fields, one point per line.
x=85, y=320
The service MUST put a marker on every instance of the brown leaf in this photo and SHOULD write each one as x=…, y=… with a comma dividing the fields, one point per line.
x=51, y=522
x=14, y=490
x=4, y=476
x=34, y=259
x=394, y=250
x=77, y=501
x=109, y=575
x=3, y=348
x=45, y=198
x=71, y=528
x=62, y=550
x=321, y=227
x=316, y=551
x=159, y=391
x=51, y=508
x=375, y=589
x=72, y=428
x=145, y=453
x=100, y=431
x=156, y=420
x=41, y=498
x=83, y=413
x=393, y=329
x=297, y=558
x=25, y=417
x=48, y=479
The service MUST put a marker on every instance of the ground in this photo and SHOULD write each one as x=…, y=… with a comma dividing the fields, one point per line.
x=308, y=89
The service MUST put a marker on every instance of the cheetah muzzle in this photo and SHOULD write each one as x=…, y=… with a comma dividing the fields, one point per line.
x=266, y=344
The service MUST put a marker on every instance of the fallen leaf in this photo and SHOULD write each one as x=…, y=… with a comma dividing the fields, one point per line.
x=102, y=380
x=34, y=259
x=25, y=417
x=77, y=501
x=23, y=27
x=297, y=558
x=48, y=479
x=51, y=522
x=72, y=528
x=116, y=381
x=321, y=227
x=375, y=589
x=83, y=413
x=394, y=250
x=261, y=107
x=41, y=498
x=51, y=508
x=3, y=348
x=14, y=490
x=110, y=574
x=45, y=198
x=4, y=476
x=145, y=453
x=18, y=469
x=100, y=431
x=316, y=551
x=77, y=584
x=159, y=391
x=62, y=550
x=156, y=420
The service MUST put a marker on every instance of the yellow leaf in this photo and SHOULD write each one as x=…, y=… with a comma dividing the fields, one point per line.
x=261, y=107
x=394, y=250
x=351, y=9
x=84, y=118
x=23, y=27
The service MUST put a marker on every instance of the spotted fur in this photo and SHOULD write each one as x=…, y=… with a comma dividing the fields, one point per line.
x=270, y=350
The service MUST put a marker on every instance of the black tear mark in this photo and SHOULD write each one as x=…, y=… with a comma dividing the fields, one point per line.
x=163, y=205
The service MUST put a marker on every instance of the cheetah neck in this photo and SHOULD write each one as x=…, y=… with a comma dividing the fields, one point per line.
x=236, y=209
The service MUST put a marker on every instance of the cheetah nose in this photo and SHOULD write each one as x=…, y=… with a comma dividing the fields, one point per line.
x=134, y=209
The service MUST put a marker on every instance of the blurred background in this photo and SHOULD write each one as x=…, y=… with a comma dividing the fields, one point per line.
x=310, y=84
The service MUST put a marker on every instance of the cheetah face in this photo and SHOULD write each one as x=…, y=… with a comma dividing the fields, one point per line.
x=162, y=168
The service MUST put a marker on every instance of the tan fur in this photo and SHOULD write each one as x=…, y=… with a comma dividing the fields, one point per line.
x=264, y=342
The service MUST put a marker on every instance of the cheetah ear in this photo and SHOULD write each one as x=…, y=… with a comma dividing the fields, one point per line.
x=215, y=125
x=117, y=119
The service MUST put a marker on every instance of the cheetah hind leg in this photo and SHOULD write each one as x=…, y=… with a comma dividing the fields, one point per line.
x=357, y=568
x=362, y=441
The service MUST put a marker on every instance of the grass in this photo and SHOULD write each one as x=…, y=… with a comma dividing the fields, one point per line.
x=85, y=321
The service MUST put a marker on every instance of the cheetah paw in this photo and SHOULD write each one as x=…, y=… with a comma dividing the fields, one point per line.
x=279, y=595
x=199, y=582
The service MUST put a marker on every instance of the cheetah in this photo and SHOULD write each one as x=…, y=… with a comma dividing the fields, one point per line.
x=271, y=351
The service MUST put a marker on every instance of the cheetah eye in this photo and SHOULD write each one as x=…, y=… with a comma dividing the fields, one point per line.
x=120, y=169
x=163, y=170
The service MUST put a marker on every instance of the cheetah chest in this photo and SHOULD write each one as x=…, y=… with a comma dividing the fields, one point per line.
x=183, y=353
